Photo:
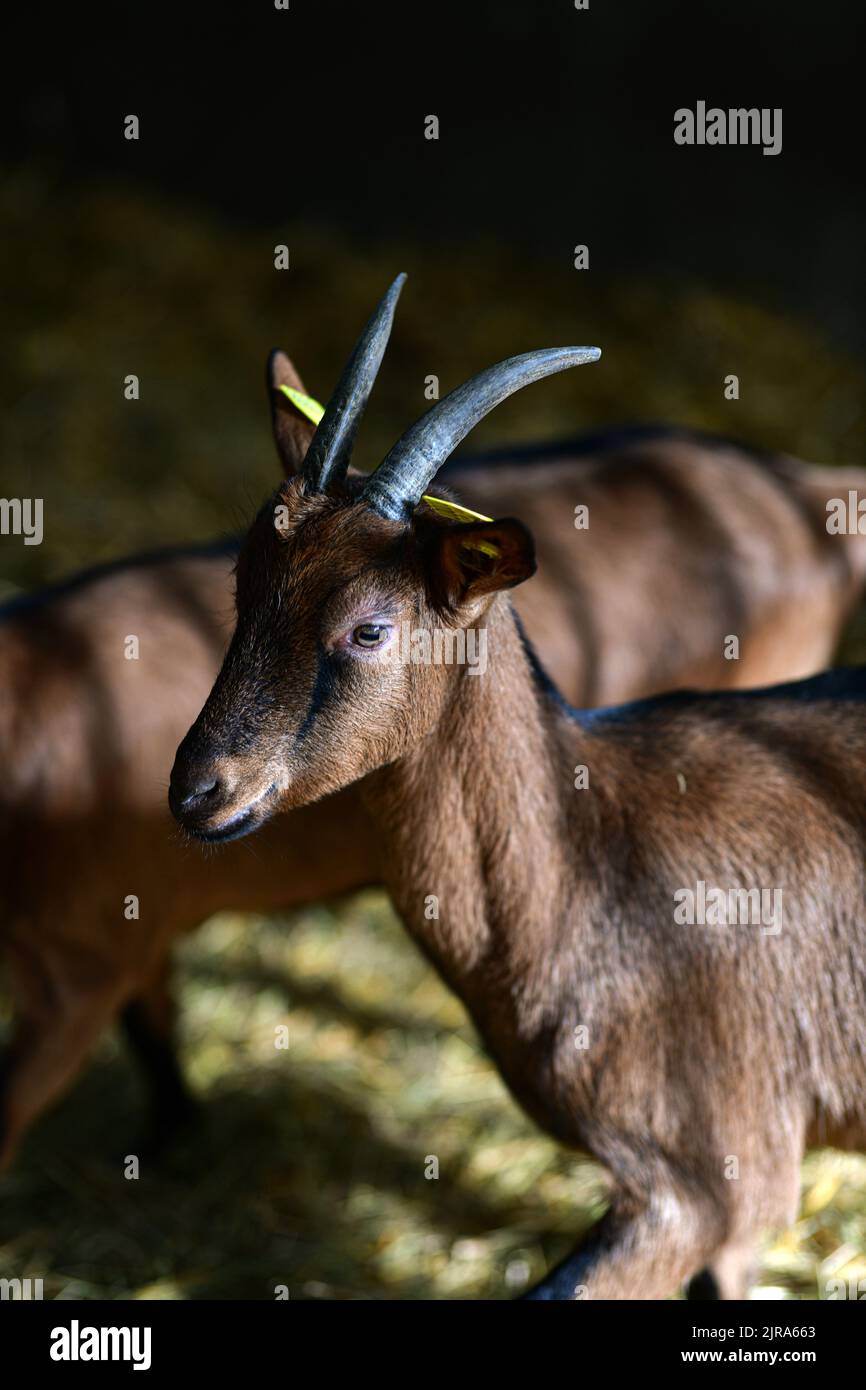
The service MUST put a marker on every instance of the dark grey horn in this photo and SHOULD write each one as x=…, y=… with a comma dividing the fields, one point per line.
x=331, y=449
x=406, y=472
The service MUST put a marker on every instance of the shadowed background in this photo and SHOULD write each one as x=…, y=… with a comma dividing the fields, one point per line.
x=155, y=257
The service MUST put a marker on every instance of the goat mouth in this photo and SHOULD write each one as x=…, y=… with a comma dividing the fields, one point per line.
x=242, y=823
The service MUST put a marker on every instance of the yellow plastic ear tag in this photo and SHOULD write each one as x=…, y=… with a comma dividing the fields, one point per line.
x=305, y=404
x=485, y=547
x=454, y=512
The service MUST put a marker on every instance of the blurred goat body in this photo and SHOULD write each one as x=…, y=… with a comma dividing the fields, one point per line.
x=689, y=540
x=96, y=882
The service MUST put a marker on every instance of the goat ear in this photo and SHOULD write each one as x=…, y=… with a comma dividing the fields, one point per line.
x=293, y=432
x=482, y=558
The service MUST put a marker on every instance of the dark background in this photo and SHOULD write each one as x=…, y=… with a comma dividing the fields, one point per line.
x=556, y=127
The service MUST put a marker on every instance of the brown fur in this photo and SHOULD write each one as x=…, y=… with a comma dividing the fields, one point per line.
x=555, y=906
x=87, y=738
x=714, y=540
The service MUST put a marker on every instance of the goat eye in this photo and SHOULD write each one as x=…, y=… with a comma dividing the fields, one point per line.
x=370, y=635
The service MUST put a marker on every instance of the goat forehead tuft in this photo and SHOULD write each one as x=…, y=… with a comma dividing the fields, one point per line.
x=334, y=531
x=290, y=509
x=316, y=559
x=317, y=574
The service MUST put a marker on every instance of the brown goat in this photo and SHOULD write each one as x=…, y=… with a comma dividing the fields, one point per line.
x=694, y=1061
x=641, y=601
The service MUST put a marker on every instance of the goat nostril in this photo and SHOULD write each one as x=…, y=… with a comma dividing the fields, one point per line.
x=201, y=792
x=186, y=796
x=196, y=784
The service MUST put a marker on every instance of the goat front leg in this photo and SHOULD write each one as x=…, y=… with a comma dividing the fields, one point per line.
x=149, y=1021
x=638, y=1254
x=729, y=1274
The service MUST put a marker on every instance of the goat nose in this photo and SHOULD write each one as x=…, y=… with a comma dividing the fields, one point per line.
x=191, y=787
x=198, y=792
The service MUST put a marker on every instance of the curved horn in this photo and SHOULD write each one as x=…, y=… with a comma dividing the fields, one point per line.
x=329, y=453
x=407, y=471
